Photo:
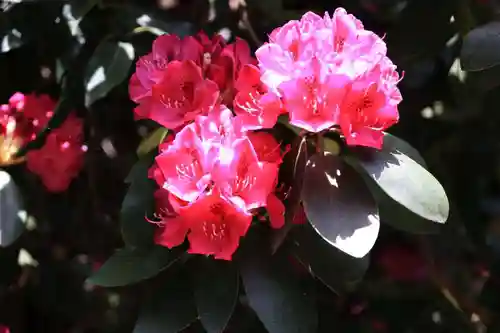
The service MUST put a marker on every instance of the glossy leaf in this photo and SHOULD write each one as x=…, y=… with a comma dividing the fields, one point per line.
x=171, y=308
x=80, y=8
x=107, y=68
x=128, y=266
x=337, y=270
x=152, y=141
x=398, y=217
x=404, y=181
x=392, y=142
x=216, y=284
x=11, y=39
x=292, y=174
x=11, y=224
x=339, y=205
x=137, y=19
x=274, y=292
x=137, y=204
x=481, y=48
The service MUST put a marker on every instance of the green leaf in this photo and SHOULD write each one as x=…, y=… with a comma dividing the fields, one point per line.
x=292, y=174
x=408, y=44
x=80, y=8
x=137, y=204
x=10, y=40
x=216, y=284
x=136, y=19
x=338, y=271
x=403, y=180
x=274, y=292
x=481, y=48
x=392, y=142
x=171, y=309
x=11, y=226
x=339, y=205
x=285, y=121
x=152, y=141
x=128, y=266
x=107, y=68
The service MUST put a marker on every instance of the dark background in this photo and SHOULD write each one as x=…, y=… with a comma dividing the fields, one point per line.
x=442, y=283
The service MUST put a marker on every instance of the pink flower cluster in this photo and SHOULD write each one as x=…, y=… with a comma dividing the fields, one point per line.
x=213, y=178
x=330, y=71
x=60, y=159
x=220, y=168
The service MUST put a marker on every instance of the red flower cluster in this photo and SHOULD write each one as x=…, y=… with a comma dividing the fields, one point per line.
x=60, y=159
x=216, y=171
x=213, y=176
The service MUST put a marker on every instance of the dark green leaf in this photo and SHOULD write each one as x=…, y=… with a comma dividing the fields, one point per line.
x=274, y=292
x=339, y=205
x=152, y=141
x=292, y=175
x=170, y=310
x=338, y=271
x=137, y=204
x=135, y=19
x=215, y=290
x=80, y=8
x=107, y=68
x=403, y=180
x=128, y=266
x=11, y=225
x=406, y=44
x=481, y=48
x=397, y=216
x=392, y=143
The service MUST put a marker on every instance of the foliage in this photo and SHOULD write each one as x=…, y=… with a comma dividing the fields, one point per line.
x=364, y=246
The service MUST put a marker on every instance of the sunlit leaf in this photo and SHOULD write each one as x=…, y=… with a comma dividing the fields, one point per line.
x=11, y=225
x=107, y=68
x=403, y=180
x=339, y=205
x=152, y=141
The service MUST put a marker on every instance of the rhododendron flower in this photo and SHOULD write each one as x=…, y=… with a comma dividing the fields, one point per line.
x=221, y=63
x=330, y=71
x=313, y=103
x=255, y=106
x=369, y=107
x=183, y=167
x=212, y=163
x=181, y=95
x=212, y=224
x=216, y=63
x=60, y=159
x=268, y=150
x=150, y=68
x=220, y=128
x=266, y=147
x=245, y=180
